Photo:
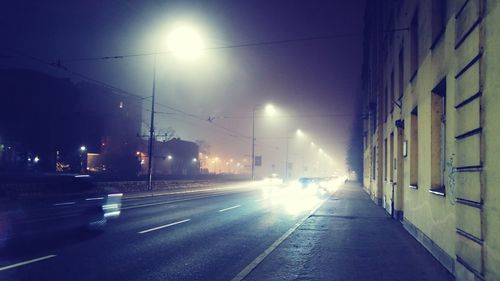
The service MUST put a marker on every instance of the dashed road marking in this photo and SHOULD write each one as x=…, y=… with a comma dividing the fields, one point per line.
x=26, y=262
x=230, y=208
x=64, y=204
x=164, y=226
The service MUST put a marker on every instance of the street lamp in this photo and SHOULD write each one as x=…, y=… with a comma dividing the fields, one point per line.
x=270, y=110
x=185, y=43
x=83, y=149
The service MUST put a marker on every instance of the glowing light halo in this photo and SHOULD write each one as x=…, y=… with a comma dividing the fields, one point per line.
x=185, y=42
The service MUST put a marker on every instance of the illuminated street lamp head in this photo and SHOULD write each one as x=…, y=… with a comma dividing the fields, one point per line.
x=185, y=42
x=195, y=160
x=83, y=148
x=299, y=133
x=270, y=110
x=169, y=157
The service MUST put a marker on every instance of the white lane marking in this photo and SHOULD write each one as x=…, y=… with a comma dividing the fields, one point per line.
x=246, y=271
x=165, y=202
x=26, y=262
x=230, y=208
x=163, y=226
x=94, y=198
x=64, y=203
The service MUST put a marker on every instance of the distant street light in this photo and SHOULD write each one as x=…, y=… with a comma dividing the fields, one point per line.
x=83, y=150
x=270, y=110
x=186, y=44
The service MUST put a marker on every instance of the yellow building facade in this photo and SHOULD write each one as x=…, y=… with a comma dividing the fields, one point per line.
x=431, y=83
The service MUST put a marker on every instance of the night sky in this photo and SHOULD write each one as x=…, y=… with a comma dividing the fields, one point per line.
x=313, y=83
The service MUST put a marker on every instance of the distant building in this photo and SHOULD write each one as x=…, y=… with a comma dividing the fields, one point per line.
x=62, y=125
x=37, y=114
x=110, y=124
x=174, y=157
x=431, y=77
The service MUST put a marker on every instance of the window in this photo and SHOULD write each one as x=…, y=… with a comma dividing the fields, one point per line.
x=414, y=148
x=414, y=45
x=365, y=140
x=438, y=20
x=385, y=159
x=391, y=158
x=401, y=73
x=438, y=137
x=374, y=162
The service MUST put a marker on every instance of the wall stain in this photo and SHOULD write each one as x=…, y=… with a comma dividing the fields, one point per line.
x=451, y=171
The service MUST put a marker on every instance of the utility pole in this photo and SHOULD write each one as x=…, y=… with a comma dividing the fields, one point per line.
x=253, y=142
x=152, y=131
x=286, y=157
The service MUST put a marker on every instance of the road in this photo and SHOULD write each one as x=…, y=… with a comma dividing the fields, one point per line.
x=204, y=235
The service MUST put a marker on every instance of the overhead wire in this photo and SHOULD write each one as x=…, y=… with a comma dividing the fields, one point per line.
x=58, y=64
x=312, y=115
x=120, y=91
x=233, y=46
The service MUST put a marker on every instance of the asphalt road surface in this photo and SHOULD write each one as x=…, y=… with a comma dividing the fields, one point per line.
x=205, y=235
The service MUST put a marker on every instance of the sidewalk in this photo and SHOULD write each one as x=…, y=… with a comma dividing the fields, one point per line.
x=350, y=238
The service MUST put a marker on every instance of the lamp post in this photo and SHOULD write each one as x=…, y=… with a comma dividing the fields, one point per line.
x=270, y=111
x=253, y=142
x=152, y=130
x=184, y=42
x=83, y=158
x=286, y=159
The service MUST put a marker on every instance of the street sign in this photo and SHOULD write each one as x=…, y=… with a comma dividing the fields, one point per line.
x=258, y=161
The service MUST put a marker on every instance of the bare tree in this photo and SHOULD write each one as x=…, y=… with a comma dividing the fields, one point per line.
x=166, y=134
x=203, y=146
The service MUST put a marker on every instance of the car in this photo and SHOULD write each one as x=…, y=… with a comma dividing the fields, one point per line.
x=273, y=179
x=34, y=206
x=314, y=185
